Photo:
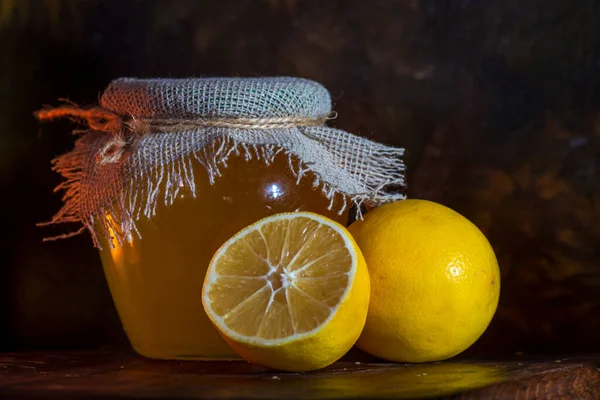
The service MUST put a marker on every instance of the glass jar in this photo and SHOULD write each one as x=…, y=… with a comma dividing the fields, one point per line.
x=143, y=128
x=156, y=282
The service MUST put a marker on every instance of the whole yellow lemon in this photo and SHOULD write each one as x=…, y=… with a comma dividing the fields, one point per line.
x=435, y=281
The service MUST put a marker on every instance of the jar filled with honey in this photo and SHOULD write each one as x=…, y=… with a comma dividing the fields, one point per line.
x=171, y=169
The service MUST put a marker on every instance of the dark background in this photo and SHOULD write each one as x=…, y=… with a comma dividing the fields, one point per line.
x=496, y=102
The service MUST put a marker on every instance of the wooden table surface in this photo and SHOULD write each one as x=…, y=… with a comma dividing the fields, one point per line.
x=113, y=375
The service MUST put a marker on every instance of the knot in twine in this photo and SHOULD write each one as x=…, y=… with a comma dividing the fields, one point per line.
x=125, y=128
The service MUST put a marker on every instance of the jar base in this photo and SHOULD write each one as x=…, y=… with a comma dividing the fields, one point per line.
x=182, y=353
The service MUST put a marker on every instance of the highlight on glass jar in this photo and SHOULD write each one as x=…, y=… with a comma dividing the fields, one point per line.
x=170, y=169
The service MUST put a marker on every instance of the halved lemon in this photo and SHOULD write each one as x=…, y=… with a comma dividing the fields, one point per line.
x=290, y=292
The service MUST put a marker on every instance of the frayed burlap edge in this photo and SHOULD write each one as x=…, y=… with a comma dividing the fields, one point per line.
x=137, y=187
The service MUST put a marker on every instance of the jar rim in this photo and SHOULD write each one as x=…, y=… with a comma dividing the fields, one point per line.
x=217, y=97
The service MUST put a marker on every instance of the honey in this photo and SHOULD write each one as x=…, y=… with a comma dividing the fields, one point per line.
x=156, y=281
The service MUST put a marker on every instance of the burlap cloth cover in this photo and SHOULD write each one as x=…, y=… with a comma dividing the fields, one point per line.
x=140, y=142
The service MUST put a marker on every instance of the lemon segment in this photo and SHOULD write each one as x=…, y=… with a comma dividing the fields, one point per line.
x=289, y=292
